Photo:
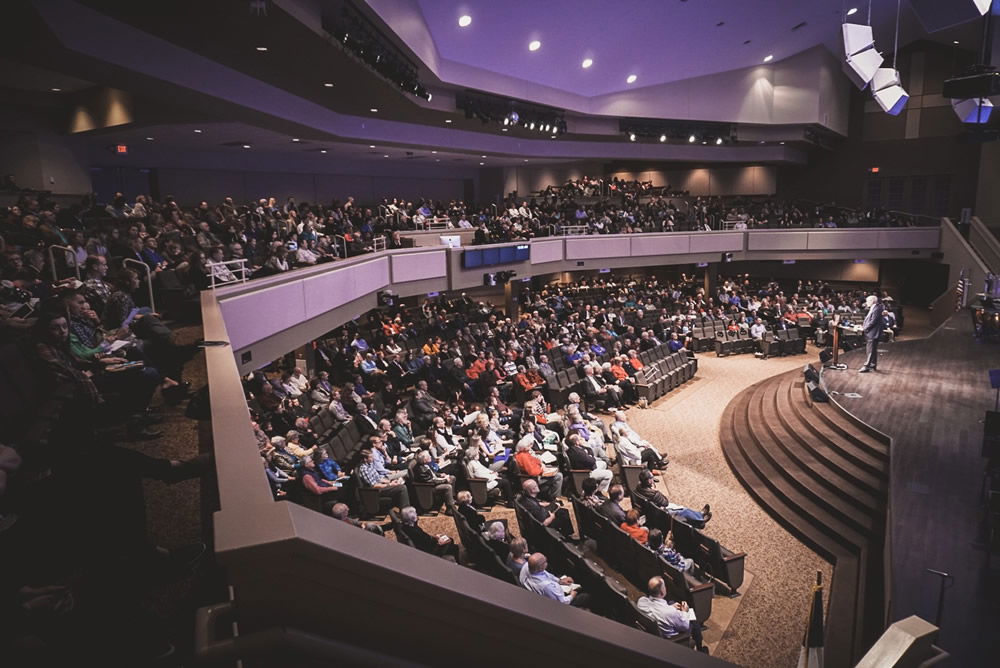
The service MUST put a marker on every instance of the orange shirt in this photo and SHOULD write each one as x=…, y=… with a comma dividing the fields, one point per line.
x=528, y=463
x=641, y=534
x=636, y=363
x=475, y=369
x=618, y=372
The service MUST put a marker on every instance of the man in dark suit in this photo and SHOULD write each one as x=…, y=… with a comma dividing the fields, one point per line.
x=441, y=545
x=477, y=522
x=873, y=325
x=547, y=513
x=612, y=507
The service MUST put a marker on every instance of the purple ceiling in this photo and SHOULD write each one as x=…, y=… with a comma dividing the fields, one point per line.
x=658, y=41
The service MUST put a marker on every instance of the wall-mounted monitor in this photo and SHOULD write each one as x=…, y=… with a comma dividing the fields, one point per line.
x=488, y=257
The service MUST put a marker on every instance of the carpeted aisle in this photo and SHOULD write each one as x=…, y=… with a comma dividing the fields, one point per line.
x=769, y=621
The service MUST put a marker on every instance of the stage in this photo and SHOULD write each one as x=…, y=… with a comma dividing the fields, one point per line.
x=930, y=395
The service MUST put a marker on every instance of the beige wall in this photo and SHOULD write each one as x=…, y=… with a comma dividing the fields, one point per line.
x=748, y=180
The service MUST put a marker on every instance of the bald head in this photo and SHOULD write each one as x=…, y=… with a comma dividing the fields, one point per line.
x=537, y=562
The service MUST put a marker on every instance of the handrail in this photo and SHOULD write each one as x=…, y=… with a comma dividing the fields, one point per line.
x=378, y=244
x=149, y=278
x=985, y=244
x=216, y=270
x=344, y=240
x=52, y=261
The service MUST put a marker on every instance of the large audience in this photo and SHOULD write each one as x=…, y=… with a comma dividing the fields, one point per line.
x=438, y=393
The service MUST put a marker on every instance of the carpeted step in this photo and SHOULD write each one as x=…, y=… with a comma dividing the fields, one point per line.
x=858, y=504
x=855, y=431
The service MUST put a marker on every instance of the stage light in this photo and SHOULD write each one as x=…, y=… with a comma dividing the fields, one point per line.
x=149, y=139
x=197, y=132
x=631, y=78
x=328, y=85
x=663, y=138
x=531, y=126
x=631, y=136
x=447, y=120
x=535, y=45
x=322, y=150
x=262, y=48
x=973, y=110
x=888, y=92
x=506, y=121
x=852, y=11
x=718, y=141
x=374, y=110
x=587, y=62
x=514, y=117
x=692, y=139
x=768, y=58
x=246, y=145
x=464, y=20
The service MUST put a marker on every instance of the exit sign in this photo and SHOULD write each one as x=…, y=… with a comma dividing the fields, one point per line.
x=873, y=170
x=121, y=149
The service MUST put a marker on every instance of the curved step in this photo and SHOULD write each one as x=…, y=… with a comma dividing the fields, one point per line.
x=838, y=493
x=805, y=510
x=844, y=469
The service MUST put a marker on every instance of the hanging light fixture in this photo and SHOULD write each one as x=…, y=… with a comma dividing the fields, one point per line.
x=886, y=87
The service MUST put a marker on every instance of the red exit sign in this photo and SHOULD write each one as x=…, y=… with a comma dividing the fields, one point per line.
x=873, y=170
x=121, y=149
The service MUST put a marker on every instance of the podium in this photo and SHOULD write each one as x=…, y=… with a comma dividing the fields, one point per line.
x=848, y=330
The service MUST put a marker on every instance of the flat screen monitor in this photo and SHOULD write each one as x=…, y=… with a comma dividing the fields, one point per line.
x=450, y=240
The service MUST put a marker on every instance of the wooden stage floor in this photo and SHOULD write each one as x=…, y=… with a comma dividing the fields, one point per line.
x=930, y=396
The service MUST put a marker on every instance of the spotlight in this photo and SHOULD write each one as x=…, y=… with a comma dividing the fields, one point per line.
x=769, y=57
x=535, y=45
x=514, y=117
x=587, y=62
x=888, y=92
x=973, y=110
x=506, y=121
x=464, y=20
x=718, y=141
x=531, y=126
x=631, y=78
x=663, y=138
x=852, y=11
x=692, y=139
x=631, y=136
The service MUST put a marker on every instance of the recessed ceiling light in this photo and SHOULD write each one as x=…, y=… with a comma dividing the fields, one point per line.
x=447, y=120
x=534, y=45
x=482, y=163
x=433, y=152
x=587, y=62
x=782, y=143
x=296, y=139
x=386, y=155
x=852, y=11
x=262, y=48
x=371, y=145
x=631, y=136
x=768, y=58
x=246, y=145
x=663, y=138
x=374, y=110
x=526, y=160
x=691, y=139
x=197, y=132
x=322, y=150
x=464, y=20
x=503, y=129
x=704, y=143
x=149, y=139
x=552, y=137
x=953, y=42
x=328, y=85
x=631, y=78
x=761, y=141
x=59, y=90
x=482, y=156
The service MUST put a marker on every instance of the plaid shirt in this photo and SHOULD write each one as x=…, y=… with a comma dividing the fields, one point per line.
x=369, y=474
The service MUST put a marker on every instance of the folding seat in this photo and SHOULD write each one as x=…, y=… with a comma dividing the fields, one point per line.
x=722, y=346
x=645, y=358
x=722, y=564
x=798, y=344
x=746, y=344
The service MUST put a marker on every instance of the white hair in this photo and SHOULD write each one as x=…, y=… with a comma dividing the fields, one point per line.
x=408, y=515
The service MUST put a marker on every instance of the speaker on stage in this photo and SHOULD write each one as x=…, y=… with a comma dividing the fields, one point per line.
x=825, y=355
x=816, y=393
x=812, y=376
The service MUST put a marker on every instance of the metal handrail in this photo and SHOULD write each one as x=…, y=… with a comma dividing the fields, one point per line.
x=378, y=244
x=343, y=239
x=52, y=261
x=149, y=278
x=240, y=265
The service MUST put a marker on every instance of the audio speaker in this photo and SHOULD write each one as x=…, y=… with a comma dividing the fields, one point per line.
x=812, y=376
x=825, y=355
x=816, y=393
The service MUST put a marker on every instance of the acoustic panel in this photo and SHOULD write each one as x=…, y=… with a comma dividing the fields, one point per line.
x=546, y=251
x=597, y=247
x=418, y=266
x=715, y=242
x=666, y=245
x=842, y=239
x=761, y=241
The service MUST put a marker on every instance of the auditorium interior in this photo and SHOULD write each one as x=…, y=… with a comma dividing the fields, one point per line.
x=568, y=333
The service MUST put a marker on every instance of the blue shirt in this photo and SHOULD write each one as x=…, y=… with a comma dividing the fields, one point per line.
x=543, y=583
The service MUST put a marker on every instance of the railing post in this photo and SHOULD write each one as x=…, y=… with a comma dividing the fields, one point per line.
x=149, y=279
x=52, y=262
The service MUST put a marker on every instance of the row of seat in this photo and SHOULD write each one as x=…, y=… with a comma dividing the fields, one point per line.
x=774, y=343
x=664, y=374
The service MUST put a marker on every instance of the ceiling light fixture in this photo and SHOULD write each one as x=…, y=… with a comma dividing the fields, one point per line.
x=531, y=126
x=322, y=150
x=769, y=57
x=386, y=155
x=197, y=132
x=149, y=139
x=526, y=160
x=587, y=62
x=663, y=138
x=464, y=20
x=552, y=137
x=262, y=48
x=718, y=141
x=503, y=129
x=374, y=110
x=862, y=58
x=59, y=90
x=631, y=136
x=447, y=120
x=954, y=41
x=631, y=78
x=246, y=145
x=781, y=143
x=371, y=145
x=328, y=85
x=433, y=151
x=296, y=139
x=692, y=139
x=973, y=110
x=852, y=11
x=534, y=45
x=482, y=163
